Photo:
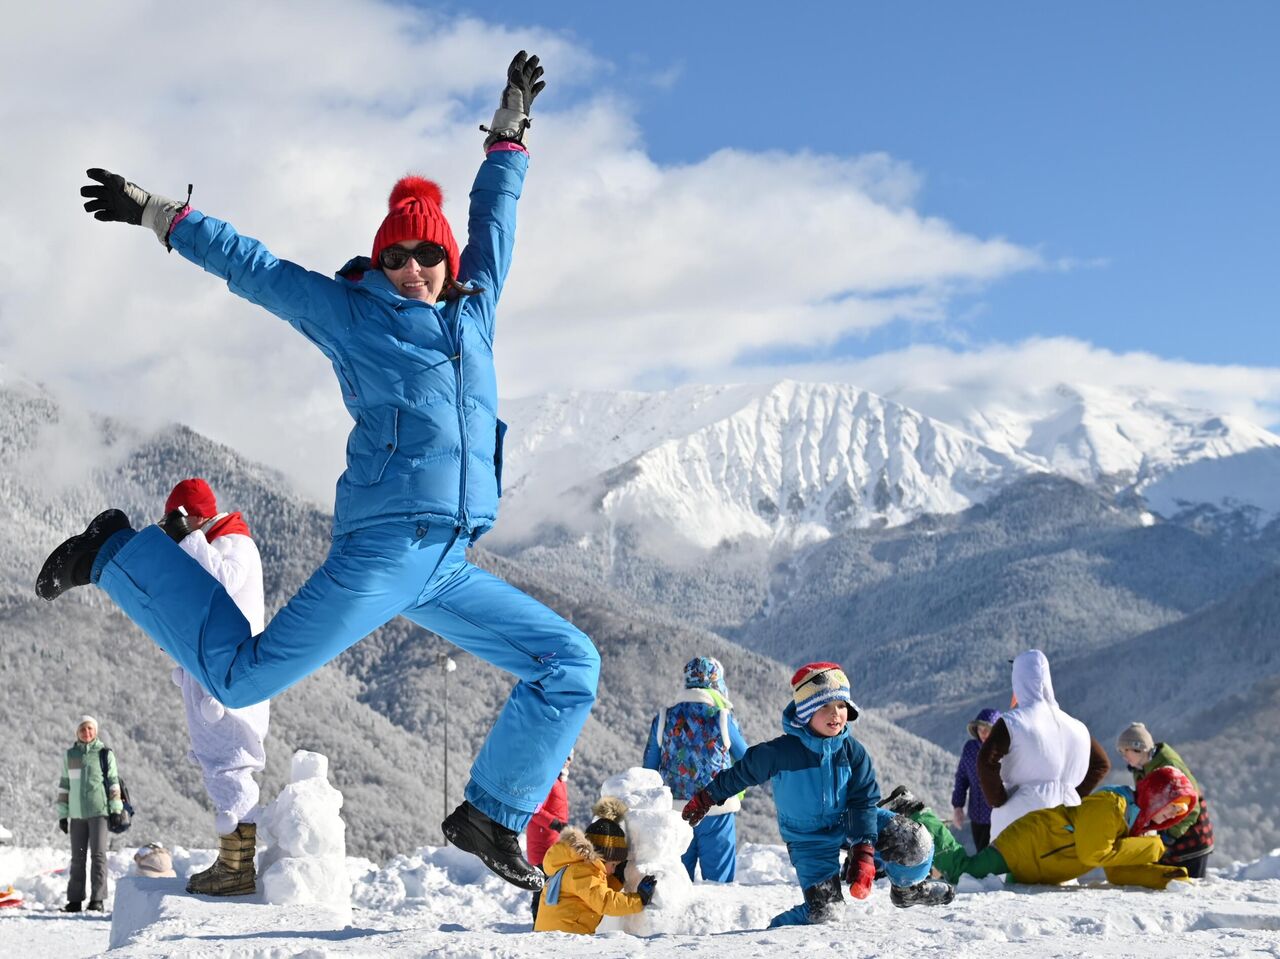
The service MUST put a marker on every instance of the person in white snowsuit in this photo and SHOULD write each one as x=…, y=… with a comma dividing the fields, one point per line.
x=227, y=744
x=1037, y=756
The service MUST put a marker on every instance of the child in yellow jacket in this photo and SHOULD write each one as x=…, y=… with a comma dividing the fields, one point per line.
x=584, y=875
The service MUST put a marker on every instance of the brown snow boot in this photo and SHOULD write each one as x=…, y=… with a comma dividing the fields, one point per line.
x=232, y=873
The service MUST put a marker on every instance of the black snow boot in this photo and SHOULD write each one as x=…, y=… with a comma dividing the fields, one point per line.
x=70, y=564
x=71, y=907
x=495, y=845
x=902, y=801
x=95, y=905
x=821, y=900
x=930, y=892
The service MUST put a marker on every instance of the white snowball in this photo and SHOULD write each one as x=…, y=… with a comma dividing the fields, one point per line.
x=307, y=765
x=323, y=880
x=211, y=710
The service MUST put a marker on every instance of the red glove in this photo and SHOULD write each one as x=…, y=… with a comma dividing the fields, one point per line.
x=860, y=870
x=698, y=806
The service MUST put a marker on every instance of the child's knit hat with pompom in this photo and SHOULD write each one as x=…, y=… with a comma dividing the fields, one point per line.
x=606, y=834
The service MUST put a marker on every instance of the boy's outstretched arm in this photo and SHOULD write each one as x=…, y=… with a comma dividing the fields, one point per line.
x=757, y=766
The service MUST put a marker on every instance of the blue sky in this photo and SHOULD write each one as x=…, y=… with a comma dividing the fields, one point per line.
x=1137, y=141
x=961, y=206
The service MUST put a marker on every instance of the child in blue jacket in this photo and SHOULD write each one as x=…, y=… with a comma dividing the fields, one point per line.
x=825, y=791
x=410, y=334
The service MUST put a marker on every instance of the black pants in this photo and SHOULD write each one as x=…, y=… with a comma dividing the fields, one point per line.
x=88, y=836
x=981, y=835
x=1195, y=867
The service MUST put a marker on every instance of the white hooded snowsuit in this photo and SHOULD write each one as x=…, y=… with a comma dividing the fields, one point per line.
x=227, y=743
x=1048, y=750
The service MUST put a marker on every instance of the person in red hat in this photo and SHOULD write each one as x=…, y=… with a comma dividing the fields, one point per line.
x=228, y=744
x=410, y=333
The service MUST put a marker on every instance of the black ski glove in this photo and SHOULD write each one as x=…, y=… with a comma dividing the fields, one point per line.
x=115, y=199
x=645, y=888
x=556, y=825
x=115, y=821
x=176, y=524
x=63, y=825
x=524, y=83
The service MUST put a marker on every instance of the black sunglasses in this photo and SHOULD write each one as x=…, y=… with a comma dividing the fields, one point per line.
x=395, y=257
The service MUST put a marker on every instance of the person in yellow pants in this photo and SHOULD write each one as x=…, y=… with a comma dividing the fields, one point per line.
x=1112, y=829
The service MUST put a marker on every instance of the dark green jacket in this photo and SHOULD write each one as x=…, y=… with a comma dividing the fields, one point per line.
x=1165, y=755
x=81, y=792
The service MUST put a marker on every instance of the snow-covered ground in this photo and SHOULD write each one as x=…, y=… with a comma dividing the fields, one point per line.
x=439, y=902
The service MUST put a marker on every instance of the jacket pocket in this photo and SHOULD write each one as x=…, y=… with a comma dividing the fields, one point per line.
x=497, y=454
x=376, y=447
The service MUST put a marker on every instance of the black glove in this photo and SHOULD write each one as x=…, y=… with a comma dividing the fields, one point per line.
x=556, y=825
x=524, y=83
x=646, y=887
x=118, y=200
x=115, y=821
x=176, y=524
x=63, y=825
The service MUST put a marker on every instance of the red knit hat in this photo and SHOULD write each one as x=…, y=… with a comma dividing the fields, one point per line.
x=415, y=214
x=193, y=495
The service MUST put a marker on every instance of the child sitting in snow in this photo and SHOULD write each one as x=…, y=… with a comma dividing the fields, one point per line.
x=584, y=875
x=825, y=792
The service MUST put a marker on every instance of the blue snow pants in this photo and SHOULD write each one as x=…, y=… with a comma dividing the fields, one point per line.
x=816, y=857
x=370, y=576
x=715, y=846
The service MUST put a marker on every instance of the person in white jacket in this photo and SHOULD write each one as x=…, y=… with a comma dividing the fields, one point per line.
x=227, y=744
x=1036, y=755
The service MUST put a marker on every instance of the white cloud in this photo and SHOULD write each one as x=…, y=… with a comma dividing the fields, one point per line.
x=293, y=119
x=954, y=384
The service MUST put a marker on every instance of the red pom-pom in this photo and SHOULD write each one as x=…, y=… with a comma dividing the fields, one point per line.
x=415, y=188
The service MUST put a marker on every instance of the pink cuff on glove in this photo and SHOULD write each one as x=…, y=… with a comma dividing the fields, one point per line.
x=506, y=146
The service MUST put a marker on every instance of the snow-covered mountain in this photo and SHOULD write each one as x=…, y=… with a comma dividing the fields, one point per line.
x=1175, y=457
x=785, y=463
x=376, y=711
x=790, y=463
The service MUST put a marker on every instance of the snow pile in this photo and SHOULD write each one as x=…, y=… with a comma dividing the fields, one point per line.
x=1268, y=867
x=305, y=861
x=656, y=838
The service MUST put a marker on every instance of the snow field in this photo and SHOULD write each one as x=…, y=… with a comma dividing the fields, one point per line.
x=441, y=902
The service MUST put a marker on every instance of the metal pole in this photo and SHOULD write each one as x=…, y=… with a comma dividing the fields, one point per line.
x=447, y=664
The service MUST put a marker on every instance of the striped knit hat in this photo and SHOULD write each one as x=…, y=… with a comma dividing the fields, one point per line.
x=815, y=685
x=605, y=833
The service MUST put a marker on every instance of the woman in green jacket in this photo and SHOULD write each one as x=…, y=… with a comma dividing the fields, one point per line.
x=1189, y=843
x=88, y=802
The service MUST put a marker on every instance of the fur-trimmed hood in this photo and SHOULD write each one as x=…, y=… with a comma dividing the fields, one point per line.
x=574, y=846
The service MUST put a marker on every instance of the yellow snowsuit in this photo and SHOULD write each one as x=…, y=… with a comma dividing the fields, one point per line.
x=587, y=892
x=1064, y=842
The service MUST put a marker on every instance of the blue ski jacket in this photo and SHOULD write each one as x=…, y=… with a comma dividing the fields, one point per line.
x=818, y=781
x=417, y=379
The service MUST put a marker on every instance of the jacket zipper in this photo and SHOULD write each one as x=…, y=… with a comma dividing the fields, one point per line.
x=1054, y=852
x=456, y=325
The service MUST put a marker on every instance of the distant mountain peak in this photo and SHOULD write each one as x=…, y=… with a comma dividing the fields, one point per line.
x=796, y=461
